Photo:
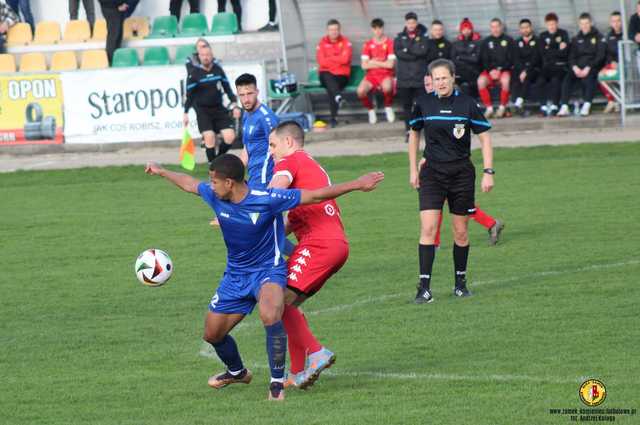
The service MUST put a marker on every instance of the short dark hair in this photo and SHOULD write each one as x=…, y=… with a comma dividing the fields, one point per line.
x=585, y=15
x=443, y=63
x=498, y=20
x=228, y=166
x=411, y=15
x=551, y=16
x=291, y=129
x=377, y=23
x=246, y=80
x=617, y=12
x=525, y=21
x=333, y=22
x=436, y=22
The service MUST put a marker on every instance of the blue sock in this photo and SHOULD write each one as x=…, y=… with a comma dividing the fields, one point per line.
x=276, y=349
x=228, y=352
x=289, y=247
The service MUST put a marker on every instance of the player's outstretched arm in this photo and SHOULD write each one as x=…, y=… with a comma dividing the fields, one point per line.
x=183, y=181
x=365, y=183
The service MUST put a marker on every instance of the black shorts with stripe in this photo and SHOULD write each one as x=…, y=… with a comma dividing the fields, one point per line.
x=454, y=181
x=213, y=119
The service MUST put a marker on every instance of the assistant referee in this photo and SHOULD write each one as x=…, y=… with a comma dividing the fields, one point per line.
x=447, y=117
x=206, y=85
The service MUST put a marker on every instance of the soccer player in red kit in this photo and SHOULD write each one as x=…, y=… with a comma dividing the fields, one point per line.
x=321, y=251
x=379, y=61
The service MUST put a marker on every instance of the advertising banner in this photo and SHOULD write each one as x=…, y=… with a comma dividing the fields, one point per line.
x=30, y=109
x=134, y=104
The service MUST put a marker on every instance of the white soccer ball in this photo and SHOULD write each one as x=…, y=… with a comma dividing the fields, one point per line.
x=153, y=267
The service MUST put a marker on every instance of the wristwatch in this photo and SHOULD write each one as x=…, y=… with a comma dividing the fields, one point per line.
x=489, y=171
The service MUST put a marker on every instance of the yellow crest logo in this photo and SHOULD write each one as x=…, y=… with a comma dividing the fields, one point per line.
x=593, y=40
x=592, y=392
x=558, y=39
x=503, y=43
x=441, y=46
x=533, y=43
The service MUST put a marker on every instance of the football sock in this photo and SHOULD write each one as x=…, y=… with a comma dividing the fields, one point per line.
x=426, y=254
x=298, y=328
x=460, y=257
x=437, y=240
x=224, y=148
x=482, y=218
x=366, y=101
x=388, y=98
x=504, y=97
x=294, y=323
x=276, y=350
x=485, y=97
x=211, y=154
x=227, y=350
x=289, y=247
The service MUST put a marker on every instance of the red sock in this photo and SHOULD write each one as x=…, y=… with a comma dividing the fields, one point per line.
x=388, y=98
x=485, y=97
x=366, y=102
x=483, y=218
x=299, y=334
x=605, y=92
x=504, y=97
x=437, y=240
x=297, y=355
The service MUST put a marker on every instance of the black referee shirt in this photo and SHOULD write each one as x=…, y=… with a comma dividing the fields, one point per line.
x=207, y=87
x=447, y=123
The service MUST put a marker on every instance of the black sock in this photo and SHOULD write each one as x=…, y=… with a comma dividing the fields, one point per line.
x=224, y=148
x=460, y=257
x=211, y=154
x=426, y=254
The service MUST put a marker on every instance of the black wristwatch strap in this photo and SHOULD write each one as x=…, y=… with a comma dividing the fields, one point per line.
x=489, y=171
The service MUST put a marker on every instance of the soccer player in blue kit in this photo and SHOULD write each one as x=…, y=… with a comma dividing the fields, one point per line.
x=253, y=231
x=257, y=122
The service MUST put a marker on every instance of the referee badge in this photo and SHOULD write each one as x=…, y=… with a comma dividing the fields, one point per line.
x=458, y=131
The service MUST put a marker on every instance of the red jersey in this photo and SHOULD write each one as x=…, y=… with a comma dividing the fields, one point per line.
x=318, y=221
x=381, y=52
x=334, y=56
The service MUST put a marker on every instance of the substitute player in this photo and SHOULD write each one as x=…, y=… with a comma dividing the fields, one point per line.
x=321, y=251
x=447, y=118
x=206, y=85
x=379, y=61
x=253, y=229
x=257, y=122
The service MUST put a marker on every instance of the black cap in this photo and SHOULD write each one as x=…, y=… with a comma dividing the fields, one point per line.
x=411, y=15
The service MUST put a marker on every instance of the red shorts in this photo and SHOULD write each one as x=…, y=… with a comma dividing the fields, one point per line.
x=377, y=79
x=494, y=83
x=312, y=263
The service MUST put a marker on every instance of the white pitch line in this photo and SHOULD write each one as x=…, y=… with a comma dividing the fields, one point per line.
x=425, y=376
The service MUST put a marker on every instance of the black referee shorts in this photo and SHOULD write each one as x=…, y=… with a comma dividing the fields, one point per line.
x=213, y=119
x=454, y=181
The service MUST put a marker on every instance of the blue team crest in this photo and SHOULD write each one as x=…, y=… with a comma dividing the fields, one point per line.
x=458, y=131
x=254, y=217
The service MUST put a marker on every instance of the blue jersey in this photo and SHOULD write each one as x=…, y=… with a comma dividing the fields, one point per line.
x=256, y=127
x=253, y=229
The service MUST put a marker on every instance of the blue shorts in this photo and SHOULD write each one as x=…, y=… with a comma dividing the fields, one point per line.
x=238, y=292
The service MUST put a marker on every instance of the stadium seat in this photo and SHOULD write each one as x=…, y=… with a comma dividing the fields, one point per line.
x=64, y=61
x=19, y=34
x=7, y=63
x=94, y=59
x=357, y=74
x=47, y=32
x=224, y=24
x=124, y=57
x=142, y=28
x=99, y=30
x=192, y=25
x=312, y=85
x=183, y=52
x=164, y=27
x=33, y=62
x=156, y=56
x=76, y=31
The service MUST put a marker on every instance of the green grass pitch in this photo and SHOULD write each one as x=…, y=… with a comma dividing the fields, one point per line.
x=82, y=342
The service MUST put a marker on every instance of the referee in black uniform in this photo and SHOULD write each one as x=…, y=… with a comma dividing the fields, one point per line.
x=445, y=172
x=206, y=85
